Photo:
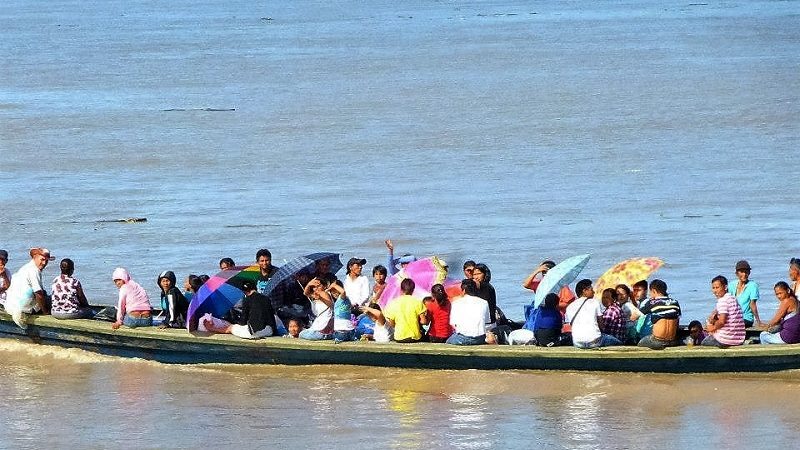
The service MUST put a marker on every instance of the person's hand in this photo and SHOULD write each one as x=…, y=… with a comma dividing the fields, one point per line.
x=389, y=245
x=115, y=325
x=543, y=268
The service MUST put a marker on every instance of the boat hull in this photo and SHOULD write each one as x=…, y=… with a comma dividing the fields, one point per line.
x=179, y=347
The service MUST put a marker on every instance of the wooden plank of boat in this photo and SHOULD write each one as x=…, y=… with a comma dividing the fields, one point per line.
x=178, y=346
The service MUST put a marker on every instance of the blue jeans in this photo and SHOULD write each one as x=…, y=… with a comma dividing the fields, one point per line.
x=460, y=339
x=313, y=335
x=133, y=322
x=771, y=338
x=605, y=340
x=344, y=335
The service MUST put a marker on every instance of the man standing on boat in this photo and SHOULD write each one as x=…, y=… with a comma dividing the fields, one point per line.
x=26, y=295
x=393, y=262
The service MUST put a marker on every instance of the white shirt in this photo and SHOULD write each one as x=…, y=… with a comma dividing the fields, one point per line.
x=357, y=290
x=469, y=315
x=584, y=325
x=26, y=281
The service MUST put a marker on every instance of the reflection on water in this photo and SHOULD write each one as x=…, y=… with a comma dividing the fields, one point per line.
x=143, y=404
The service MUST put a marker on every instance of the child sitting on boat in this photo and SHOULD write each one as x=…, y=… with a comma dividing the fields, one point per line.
x=342, y=321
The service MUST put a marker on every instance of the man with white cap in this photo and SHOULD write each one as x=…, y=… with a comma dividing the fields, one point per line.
x=26, y=294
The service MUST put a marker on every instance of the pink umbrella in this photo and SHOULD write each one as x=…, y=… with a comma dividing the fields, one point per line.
x=425, y=272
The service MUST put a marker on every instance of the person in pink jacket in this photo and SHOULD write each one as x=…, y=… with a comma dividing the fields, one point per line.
x=133, y=307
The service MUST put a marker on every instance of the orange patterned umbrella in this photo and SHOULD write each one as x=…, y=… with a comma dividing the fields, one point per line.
x=627, y=272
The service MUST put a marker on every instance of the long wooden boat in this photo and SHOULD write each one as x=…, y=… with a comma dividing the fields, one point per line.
x=180, y=347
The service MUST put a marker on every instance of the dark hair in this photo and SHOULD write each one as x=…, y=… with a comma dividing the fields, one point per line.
x=582, y=286
x=67, y=267
x=486, y=271
x=379, y=269
x=640, y=284
x=228, y=261
x=407, y=286
x=609, y=295
x=204, y=277
x=438, y=293
x=625, y=288
x=263, y=252
x=338, y=282
x=659, y=286
x=297, y=321
x=550, y=301
x=469, y=287
x=720, y=279
x=694, y=323
x=548, y=263
x=248, y=285
x=785, y=286
x=195, y=282
x=469, y=263
x=795, y=262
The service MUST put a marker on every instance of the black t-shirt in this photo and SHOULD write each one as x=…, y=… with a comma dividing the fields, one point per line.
x=257, y=313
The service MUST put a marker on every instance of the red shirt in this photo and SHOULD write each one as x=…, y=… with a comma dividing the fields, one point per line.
x=440, y=320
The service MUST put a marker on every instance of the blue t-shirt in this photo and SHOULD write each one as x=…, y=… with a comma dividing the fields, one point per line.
x=341, y=315
x=750, y=292
x=544, y=318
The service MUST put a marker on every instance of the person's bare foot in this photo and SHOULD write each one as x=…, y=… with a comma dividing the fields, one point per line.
x=208, y=324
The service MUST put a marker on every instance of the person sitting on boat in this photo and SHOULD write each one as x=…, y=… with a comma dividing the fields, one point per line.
x=174, y=305
x=5, y=276
x=69, y=301
x=469, y=317
x=614, y=320
x=746, y=292
x=256, y=321
x=397, y=264
x=696, y=333
x=787, y=306
x=379, y=274
x=322, y=308
x=565, y=295
x=133, y=306
x=381, y=332
x=343, y=328
x=438, y=307
x=664, y=313
x=482, y=276
x=406, y=313
x=293, y=301
x=293, y=328
x=356, y=285
x=226, y=263
x=726, y=324
x=266, y=269
x=546, y=322
x=629, y=311
x=794, y=274
x=26, y=294
x=787, y=331
x=585, y=316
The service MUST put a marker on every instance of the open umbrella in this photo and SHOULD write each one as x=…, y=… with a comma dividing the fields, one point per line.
x=628, y=272
x=302, y=263
x=425, y=272
x=559, y=276
x=220, y=293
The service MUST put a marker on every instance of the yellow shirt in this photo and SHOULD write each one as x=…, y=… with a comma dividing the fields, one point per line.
x=404, y=311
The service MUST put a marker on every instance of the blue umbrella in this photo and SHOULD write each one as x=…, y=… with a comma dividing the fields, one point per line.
x=559, y=276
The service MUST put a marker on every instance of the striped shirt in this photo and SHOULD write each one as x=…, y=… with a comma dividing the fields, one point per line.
x=732, y=332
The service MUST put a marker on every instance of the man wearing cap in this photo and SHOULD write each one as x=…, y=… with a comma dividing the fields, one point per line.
x=356, y=285
x=746, y=293
x=26, y=294
x=393, y=262
x=5, y=276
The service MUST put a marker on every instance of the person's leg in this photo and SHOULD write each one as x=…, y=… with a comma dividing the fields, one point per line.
x=313, y=335
x=710, y=341
x=770, y=338
x=455, y=339
x=748, y=323
x=607, y=340
x=650, y=342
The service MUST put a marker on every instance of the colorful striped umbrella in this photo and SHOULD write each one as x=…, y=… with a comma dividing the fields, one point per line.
x=220, y=293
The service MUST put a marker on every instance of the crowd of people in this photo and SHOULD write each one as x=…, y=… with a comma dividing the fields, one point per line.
x=313, y=304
